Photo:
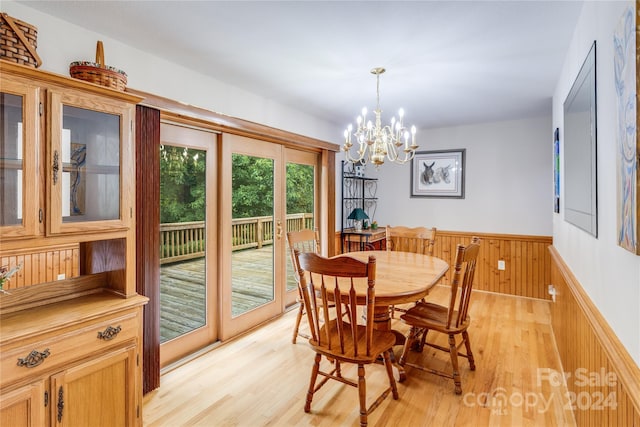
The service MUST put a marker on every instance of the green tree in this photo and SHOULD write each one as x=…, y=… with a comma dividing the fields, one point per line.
x=299, y=188
x=252, y=186
x=182, y=184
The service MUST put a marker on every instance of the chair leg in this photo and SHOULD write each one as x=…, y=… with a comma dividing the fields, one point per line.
x=389, y=366
x=423, y=340
x=472, y=363
x=362, y=392
x=412, y=337
x=298, y=318
x=453, y=350
x=312, y=383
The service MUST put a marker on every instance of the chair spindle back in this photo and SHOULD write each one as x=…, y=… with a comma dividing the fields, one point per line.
x=336, y=280
x=465, y=268
x=405, y=239
x=304, y=240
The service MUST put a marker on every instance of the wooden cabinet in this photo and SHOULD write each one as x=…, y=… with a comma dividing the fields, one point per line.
x=72, y=139
x=76, y=361
x=24, y=406
x=90, y=162
x=83, y=395
x=71, y=325
x=67, y=176
x=19, y=158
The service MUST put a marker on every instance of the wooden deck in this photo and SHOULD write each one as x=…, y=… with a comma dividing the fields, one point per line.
x=182, y=290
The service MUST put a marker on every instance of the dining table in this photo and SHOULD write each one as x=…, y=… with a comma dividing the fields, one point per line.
x=401, y=278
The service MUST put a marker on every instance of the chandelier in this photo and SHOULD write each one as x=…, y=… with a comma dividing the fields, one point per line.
x=376, y=141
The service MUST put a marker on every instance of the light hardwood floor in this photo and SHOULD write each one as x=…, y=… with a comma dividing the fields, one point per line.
x=260, y=379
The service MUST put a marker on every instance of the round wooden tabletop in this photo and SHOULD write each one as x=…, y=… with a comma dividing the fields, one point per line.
x=403, y=277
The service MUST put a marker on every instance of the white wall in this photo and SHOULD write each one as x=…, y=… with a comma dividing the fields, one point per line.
x=60, y=43
x=508, y=180
x=609, y=274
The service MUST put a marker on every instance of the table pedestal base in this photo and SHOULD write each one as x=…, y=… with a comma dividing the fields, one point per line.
x=382, y=322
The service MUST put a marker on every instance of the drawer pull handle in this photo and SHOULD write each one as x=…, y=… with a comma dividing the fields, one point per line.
x=55, y=167
x=60, y=403
x=109, y=333
x=34, y=359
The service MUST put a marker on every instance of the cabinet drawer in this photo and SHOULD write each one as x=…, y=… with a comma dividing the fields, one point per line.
x=47, y=354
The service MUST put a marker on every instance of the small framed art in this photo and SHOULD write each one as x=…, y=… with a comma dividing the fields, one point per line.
x=438, y=174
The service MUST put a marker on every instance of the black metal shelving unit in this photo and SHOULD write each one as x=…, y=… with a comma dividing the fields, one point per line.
x=357, y=192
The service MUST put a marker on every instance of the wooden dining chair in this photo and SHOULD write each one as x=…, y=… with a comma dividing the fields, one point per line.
x=452, y=320
x=417, y=239
x=337, y=338
x=405, y=239
x=304, y=241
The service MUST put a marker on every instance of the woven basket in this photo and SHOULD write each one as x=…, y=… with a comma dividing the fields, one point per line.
x=98, y=73
x=18, y=41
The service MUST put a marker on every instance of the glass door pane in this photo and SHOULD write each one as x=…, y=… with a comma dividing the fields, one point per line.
x=12, y=159
x=252, y=224
x=90, y=165
x=252, y=260
x=20, y=189
x=300, y=206
x=183, y=292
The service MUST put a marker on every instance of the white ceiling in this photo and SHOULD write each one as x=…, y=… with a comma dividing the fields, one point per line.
x=448, y=62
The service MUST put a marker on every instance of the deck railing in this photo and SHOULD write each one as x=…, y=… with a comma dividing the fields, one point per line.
x=186, y=240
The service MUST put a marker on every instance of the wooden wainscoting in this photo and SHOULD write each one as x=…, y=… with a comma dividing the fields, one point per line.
x=604, y=381
x=527, y=262
x=41, y=266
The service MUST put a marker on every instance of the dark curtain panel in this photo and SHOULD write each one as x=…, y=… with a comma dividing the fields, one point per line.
x=147, y=237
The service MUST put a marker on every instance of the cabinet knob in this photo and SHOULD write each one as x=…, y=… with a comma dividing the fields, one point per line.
x=33, y=359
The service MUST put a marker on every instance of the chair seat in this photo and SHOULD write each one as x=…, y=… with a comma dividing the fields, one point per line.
x=427, y=315
x=382, y=341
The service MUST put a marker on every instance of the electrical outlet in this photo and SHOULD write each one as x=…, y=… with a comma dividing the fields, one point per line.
x=62, y=276
x=501, y=265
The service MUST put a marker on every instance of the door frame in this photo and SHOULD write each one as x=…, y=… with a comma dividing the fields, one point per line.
x=235, y=144
x=202, y=139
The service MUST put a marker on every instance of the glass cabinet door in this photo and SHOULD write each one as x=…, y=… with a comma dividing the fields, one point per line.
x=18, y=160
x=90, y=163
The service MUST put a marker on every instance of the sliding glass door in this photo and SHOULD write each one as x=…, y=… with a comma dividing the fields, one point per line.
x=188, y=291
x=268, y=191
x=251, y=233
